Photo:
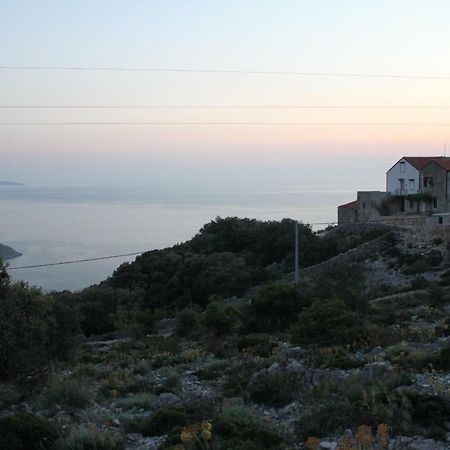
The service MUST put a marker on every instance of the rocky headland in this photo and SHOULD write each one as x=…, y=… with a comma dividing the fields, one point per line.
x=8, y=252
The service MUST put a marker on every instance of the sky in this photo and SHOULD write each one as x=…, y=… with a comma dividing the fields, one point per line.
x=404, y=37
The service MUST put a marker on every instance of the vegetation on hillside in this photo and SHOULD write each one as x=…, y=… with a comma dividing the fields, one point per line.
x=206, y=346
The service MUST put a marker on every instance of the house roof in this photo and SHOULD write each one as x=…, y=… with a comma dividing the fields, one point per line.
x=444, y=163
x=419, y=162
x=351, y=205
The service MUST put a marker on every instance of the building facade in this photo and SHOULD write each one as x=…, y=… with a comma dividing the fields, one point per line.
x=416, y=188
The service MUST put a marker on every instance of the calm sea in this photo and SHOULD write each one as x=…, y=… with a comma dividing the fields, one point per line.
x=49, y=224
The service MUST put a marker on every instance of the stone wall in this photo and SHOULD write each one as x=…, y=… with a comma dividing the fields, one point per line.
x=360, y=253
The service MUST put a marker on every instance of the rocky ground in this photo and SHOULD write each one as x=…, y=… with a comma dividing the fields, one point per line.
x=143, y=392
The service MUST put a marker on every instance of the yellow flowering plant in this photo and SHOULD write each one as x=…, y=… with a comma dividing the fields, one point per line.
x=197, y=436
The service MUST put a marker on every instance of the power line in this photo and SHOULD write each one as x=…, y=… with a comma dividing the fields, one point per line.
x=100, y=258
x=229, y=71
x=224, y=107
x=75, y=261
x=320, y=124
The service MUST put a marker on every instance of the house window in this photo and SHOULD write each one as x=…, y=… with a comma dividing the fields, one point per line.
x=435, y=203
x=411, y=204
x=411, y=185
x=428, y=182
x=364, y=204
x=440, y=221
x=402, y=167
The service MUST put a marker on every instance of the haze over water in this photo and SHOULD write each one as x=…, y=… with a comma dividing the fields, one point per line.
x=234, y=132
x=59, y=223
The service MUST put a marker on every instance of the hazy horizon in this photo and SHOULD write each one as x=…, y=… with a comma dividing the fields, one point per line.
x=405, y=38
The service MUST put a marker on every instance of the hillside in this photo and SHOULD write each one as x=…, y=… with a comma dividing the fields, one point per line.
x=8, y=253
x=209, y=345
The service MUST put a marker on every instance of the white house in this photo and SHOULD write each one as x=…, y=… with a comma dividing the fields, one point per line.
x=403, y=178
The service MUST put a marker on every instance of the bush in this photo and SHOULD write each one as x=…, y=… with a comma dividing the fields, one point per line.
x=26, y=431
x=342, y=282
x=419, y=265
x=143, y=400
x=437, y=296
x=104, y=309
x=161, y=422
x=220, y=318
x=33, y=330
x=333, y=358
x=174, y=278
x=274, y=389
x=241, y=432
x=9, y=394
x=69, y=394
x=257, y=344
x=213, y=368
x=188, y=322
x=443, y=360
x=327, y=323
x=275, y=308
x=90, y=439
x=432, y=413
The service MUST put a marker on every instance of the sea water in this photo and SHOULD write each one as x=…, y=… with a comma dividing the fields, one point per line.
x=49, y=224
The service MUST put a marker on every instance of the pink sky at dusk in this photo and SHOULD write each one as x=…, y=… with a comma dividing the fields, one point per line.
x=407, y=37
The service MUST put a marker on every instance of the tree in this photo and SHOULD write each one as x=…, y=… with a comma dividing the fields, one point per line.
x=327, y=322
x=275, y=308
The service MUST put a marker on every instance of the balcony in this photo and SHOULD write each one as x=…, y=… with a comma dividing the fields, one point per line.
x=401, y=191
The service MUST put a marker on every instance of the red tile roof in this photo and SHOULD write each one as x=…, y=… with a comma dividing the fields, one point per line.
x=444, y=163
x=351, y=205
x=419, y=162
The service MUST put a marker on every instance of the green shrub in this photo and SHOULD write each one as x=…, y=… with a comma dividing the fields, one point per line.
x=239, y=412
x=344, y=282
x=163, y=421
x=143, y=400
x=9, y=394
x=29, y=324
x=323, y=414
x=445, y=278
x=90, y=439
x=333, y=358
x=275, y=308
x=245, y=433
x=26, y=432
x=443, y=360
x=67, y=393
x=257, y=344
x=34, y=329
x=213, y=368
x=238, y=378
x=104, y=309
x=420, y=265
x=419, y=282
x=188, y=322
x=437, y=296
x=220, y=318
x=327, y=323
x=432, y=413
x=274, y=389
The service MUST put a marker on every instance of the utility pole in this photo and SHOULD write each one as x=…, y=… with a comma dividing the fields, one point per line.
x=296, y=252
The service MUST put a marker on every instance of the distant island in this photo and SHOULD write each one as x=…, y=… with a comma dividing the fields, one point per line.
x=8, y=253
x=10, y=183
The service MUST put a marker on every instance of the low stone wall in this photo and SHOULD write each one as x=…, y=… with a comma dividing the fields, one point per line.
x=360, y=253
x=416, y=220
